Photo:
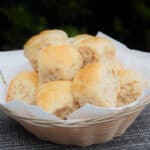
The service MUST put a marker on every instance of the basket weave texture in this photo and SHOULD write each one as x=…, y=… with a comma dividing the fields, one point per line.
x=84, y=133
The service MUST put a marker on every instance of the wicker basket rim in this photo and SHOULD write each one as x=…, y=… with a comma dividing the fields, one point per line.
x=76, y=122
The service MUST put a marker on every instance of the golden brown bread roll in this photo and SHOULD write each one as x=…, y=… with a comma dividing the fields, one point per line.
x=131, y=86
x=64, y=112
x=40, y=41
x=95, y=84
x=96, y=49
x=55, y=97
x=23, y=87
x=58, y=63
x=79, y=38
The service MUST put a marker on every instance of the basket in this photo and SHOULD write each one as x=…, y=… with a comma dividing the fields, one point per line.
x=80, y=133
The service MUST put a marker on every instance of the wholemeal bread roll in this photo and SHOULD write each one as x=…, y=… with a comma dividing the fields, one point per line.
x=40, y=41
x=79, y=38
x=55, y=97
x=64, y=112
x=23, y=87
x=95, y=84
x=58, y=63
x=131, y=86
x=96, y=49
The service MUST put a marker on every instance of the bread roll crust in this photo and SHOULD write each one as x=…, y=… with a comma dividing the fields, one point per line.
x=54, y=96
x=131, y=86
x=58, y=63
x=23, y=87
x=95, y=84
x=79, y=38
x=40, y=41
x=96, y=49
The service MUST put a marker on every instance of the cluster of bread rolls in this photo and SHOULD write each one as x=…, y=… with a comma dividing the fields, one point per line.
x=70, y=72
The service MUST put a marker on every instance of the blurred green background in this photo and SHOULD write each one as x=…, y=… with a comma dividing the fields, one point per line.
x=125, y=20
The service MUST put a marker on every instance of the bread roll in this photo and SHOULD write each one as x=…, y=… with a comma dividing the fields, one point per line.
x=96, y=49
x=131, y=86
x=58, y=63
x=64, y=112
x=23, y=87
x=40, y=41
x=95, y=84
x=55, y=97
x=79, y=38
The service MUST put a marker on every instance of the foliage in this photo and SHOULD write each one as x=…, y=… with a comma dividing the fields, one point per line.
x=127, y=21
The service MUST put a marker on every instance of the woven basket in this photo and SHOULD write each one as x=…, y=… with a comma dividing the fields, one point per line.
x=80, y=133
